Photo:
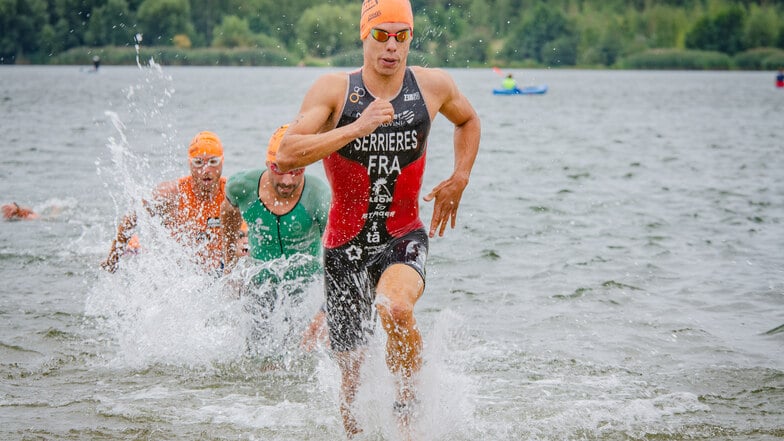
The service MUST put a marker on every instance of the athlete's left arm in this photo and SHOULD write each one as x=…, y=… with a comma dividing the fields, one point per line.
x=446, y=98
x=231, y=221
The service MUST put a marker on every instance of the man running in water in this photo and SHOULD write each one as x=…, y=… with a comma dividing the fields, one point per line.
x=370, y=128
x=286, y=214
x=189, y=206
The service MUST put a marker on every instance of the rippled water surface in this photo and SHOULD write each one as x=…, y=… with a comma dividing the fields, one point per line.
x=616, y=272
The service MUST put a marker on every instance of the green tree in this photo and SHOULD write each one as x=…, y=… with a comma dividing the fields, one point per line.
x=326, y=30
x=446, y=23
x=499, y=17
x=545, y=24
x=469, y=50
x=760, y=29
x=21, y=22
x=437, y=32
x=610, y=47
x=70, y=20
x=780, y=41
x=560, y=52
x=8, y=31
x=479, y=14
x=259, y=14
x=721, y=33
x=448, y=32
x=110, y=24
x=207, y=15
x=665, y=26
x=284, y=17
x=233, y=32
x=161, y=20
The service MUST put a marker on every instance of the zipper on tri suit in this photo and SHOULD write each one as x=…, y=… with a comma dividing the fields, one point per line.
x=280, y=239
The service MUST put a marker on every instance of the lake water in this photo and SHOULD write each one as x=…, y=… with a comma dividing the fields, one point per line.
x=616, y=273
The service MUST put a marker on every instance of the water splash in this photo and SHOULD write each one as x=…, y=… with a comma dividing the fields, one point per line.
x=161, y=307
x=445, y=391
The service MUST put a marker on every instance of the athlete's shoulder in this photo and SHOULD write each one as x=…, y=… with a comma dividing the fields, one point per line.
x=167, y=195
x=317, y=190
x=324, y=98
x=331, y=82
x=242, y=178
x=437, y=85
x=433, y=78
x=430, y=74
x=243, y=174
x=316, y=199
x=170, y=188
x=316, y=183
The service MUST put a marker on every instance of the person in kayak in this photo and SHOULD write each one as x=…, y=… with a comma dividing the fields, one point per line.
x=370, y=129
x=189, y=206
x=509, y=83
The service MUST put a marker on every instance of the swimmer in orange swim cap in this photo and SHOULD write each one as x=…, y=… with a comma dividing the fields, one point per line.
x=189, y=206
x=14, y=211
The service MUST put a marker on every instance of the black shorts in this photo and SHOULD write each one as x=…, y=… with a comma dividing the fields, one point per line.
x=351, y=274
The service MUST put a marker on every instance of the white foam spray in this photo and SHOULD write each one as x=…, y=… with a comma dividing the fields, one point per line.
x=445, y=393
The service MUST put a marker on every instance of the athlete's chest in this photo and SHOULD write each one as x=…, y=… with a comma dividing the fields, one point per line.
x=394, y=145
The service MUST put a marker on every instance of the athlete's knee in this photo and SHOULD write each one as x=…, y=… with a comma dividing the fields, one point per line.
x=399, y=313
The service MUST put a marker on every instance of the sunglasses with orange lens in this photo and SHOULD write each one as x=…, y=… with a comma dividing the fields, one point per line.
x=382, y=36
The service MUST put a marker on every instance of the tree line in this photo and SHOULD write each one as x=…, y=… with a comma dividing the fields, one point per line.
x=452, y=33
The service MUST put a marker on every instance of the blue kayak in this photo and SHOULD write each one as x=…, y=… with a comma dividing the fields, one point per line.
x=531, y=90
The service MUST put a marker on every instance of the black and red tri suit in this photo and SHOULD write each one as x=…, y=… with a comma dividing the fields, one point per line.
x=374, y=218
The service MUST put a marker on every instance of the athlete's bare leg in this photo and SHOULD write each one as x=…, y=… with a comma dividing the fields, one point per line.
x=349, y=363
x=398, y=290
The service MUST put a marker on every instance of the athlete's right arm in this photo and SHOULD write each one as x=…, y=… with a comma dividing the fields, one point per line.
x=231, y=221
x=313, y=135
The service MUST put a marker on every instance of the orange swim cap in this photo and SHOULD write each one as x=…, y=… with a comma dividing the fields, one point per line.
x=205, y=143
x=274, y=142
x=375, y=12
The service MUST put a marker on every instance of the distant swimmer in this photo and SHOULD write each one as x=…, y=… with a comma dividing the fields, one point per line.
x=370, y=129
x=189, y=206
x=14, y=211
